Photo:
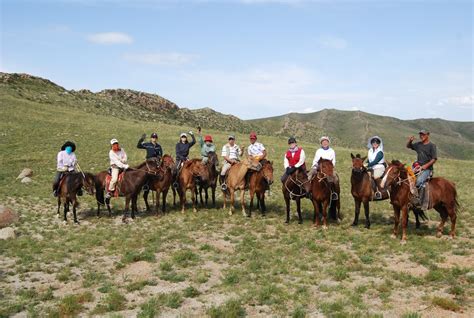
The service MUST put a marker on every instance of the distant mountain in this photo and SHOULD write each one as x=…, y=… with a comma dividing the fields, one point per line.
x=353, y=128
x=346, y=128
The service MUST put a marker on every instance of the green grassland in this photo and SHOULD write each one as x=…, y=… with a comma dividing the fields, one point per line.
x=209, y=263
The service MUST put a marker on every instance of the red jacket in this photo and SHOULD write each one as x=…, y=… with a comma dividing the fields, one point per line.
x=293, y=160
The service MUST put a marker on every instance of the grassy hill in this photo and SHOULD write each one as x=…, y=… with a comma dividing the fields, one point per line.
x=353, y=128
x=205, y=263
x=346, y=128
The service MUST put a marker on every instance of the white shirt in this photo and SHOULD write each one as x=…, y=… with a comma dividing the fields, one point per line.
x=255, y=149
x=66, y=162
x=328, y=154
x=118, y=158
x=232, y=152
x=286, y=163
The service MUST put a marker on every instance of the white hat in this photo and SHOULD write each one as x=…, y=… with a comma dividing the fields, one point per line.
x=324, y=138
x=183, y=135
x=114, y=141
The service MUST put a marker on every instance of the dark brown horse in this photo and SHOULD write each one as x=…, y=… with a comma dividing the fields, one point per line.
x=130, y=186
x=363, y=193
x=68, y=189
x=322, y=184
x=296, y=187
x=193, y=172
x=442, y=197
x=259, y=182
x=161, y=183
x=211, y=165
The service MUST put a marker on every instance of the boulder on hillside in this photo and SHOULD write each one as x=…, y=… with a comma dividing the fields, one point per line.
x=7, y=233
x=7, y=216
x=27, y=172
x=26, y=180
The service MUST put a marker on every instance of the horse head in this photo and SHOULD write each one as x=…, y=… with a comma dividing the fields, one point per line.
x=395, y=171
x=167, y=163
x=326, y=170
x=267, y=171
x=358, y=163
x=213, y=160
x=199, y=170
x=152, y=166
x=88, y=182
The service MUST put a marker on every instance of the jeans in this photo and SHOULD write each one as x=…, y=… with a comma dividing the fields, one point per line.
x=422, y=177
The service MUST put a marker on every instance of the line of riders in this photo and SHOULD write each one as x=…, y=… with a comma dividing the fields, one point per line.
x=294, y=159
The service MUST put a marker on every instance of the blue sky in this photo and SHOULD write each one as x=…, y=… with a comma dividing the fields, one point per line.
x=254, y=58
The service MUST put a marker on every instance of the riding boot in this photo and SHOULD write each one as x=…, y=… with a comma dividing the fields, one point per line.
x=421, y=196
x=222, y=181
x=80, y=192
x=415, y=200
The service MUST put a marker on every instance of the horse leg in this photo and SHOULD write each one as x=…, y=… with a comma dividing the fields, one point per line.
x=404, y=224
x=287, y=202
x=213, y=193
x=367, y=214
x=298, y=209
x=444, y=216
x=182, y=199
x=66, y=209
x=165, y=194
x=452, y=215
x=396, y=214
x=145, y=198
x=157, y=204
x=127, y=206
x=59, y=206
x=174, y=196
x=242, y=202
x=338, y=207
x=107, y=202
x=417, y=218
x=74, y=207
x=316, y=213
x=356, y=212
x=263, y=208
x=325, y=214
x=206, y=195
x=252, y=194
x=194, y=199
x=232, y=194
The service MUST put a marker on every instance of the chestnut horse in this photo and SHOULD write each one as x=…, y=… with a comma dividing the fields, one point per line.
x=321, y=185
x=130, y=186
x=295, y=187
x=235, y=180
x=193, y=171
x=161, y=183
x=442, y=197
x=70, y=184
x=211, y=165
x=259, y=182
x=362, y=191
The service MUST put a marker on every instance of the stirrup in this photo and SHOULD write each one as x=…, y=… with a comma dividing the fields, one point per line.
x=108, y=195
x=55, y=193
x=175, y=185
x=334, y=196
x=378, y=195
x=224, y=187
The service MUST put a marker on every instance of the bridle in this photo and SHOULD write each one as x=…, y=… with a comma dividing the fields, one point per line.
x=154, y=172
x=298, y=183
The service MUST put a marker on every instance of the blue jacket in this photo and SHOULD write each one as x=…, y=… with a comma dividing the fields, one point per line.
x=182, y=150
x=152, y=150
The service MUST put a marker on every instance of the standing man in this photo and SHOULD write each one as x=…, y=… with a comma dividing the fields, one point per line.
x=426, y=158
x=153, y=148
x=231, y=153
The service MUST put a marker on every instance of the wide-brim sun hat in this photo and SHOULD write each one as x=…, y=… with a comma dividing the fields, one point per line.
x=69, y=144
x=324, y=138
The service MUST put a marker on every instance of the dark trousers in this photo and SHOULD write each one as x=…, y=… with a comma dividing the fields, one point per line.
x=57, y=179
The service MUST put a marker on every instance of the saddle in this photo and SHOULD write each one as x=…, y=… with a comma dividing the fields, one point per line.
x=378, y=194
x=116, y=193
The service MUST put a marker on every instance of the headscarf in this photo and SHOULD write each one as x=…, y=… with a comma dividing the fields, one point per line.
x=369, y=143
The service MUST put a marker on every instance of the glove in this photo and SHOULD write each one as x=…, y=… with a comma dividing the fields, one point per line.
x=290, y=170
x=125, y=167
x=191, y=133
x=143, y=136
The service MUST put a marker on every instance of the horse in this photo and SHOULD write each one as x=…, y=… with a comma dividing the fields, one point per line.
x=160, y=185
x=295, y=187
x=321, y=192
x=361, y=190
x=211, y=165
x=236, y=180
x=193, y=171
x=68, y=188
x=130, y=186
x=442, y=197
x=259, y=182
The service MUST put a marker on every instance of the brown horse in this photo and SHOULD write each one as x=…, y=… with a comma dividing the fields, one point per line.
x=212, y=163
x=235, y=180
x=321, y=188
x=259, y=182
x=362, y=191
x=69, y=186
x=130, y=186
x=161, y=183
x=295, y=187
x=442, y=197
x=193, y=172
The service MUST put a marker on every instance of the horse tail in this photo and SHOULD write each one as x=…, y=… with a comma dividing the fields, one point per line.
x=99, y=192
x=333, y=211
x=420, y=214
x=457, y=206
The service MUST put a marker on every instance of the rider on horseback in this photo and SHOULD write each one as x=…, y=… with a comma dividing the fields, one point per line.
x=256, y=151
x=325, y=152
x=294, y=158
x=376, y=161
x=118, y=163
x=426, y=158
x=66, y=162
x=182, y=153
x=153, y=148
x=206, y=146
x=231, y=153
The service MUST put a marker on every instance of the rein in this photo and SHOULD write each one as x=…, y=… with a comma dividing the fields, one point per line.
x=297, y=183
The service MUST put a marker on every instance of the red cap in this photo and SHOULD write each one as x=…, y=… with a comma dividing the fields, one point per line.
x=253, y=135
x=208, y=138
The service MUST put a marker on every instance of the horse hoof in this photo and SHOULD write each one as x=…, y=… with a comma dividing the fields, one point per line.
x=76, y=223
x=230, y=213
x=195, y=210
x=403, y=242
x=367, y=226
x=354, y=224
x=287, y=222
x=325, y=227
x=64, y=222
x=393, y=236
x=300, y=222
x=439, y=234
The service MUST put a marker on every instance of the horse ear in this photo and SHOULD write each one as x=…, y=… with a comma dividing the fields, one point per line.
x=352, y=156
x=363, y=159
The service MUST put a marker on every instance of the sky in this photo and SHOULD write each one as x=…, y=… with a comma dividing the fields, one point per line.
x=254, y=58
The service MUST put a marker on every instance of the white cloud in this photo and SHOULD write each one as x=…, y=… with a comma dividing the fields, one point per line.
x=466, y=101
x=332, y=42
x=165, y=59
x=108, y=38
